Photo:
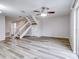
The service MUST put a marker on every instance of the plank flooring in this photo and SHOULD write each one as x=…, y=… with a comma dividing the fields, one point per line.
x=36, y=48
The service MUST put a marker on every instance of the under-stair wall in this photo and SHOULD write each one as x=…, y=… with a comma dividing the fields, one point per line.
x=2, y=27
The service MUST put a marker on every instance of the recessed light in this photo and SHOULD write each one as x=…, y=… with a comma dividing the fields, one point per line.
x=0, y=12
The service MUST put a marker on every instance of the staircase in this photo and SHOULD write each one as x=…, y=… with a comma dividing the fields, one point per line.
x=22, y=26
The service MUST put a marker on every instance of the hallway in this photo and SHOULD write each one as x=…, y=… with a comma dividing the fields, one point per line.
x=37, y=48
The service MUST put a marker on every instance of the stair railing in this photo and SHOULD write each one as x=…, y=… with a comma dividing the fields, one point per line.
x=24, y=28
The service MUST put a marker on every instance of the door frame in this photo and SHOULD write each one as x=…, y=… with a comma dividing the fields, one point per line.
x=77, y=22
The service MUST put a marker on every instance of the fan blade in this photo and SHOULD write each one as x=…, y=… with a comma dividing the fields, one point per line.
x=36, y=11
x=37, y=14
x=51, y=12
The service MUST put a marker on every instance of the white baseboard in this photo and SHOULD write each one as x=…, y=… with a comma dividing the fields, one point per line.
x=51, y=37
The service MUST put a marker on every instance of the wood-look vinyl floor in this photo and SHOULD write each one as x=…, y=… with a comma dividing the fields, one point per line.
x=36, y=48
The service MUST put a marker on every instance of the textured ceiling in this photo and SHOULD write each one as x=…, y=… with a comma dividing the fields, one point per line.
x=14, y=7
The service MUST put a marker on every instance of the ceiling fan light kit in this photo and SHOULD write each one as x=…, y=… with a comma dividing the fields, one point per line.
x=43, y=14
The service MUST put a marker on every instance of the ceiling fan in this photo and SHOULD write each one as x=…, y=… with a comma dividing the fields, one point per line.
x=43, y=11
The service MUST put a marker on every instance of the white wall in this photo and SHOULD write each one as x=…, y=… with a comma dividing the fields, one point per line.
x=54, y=26
x=2, y=27
x=48, y=26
